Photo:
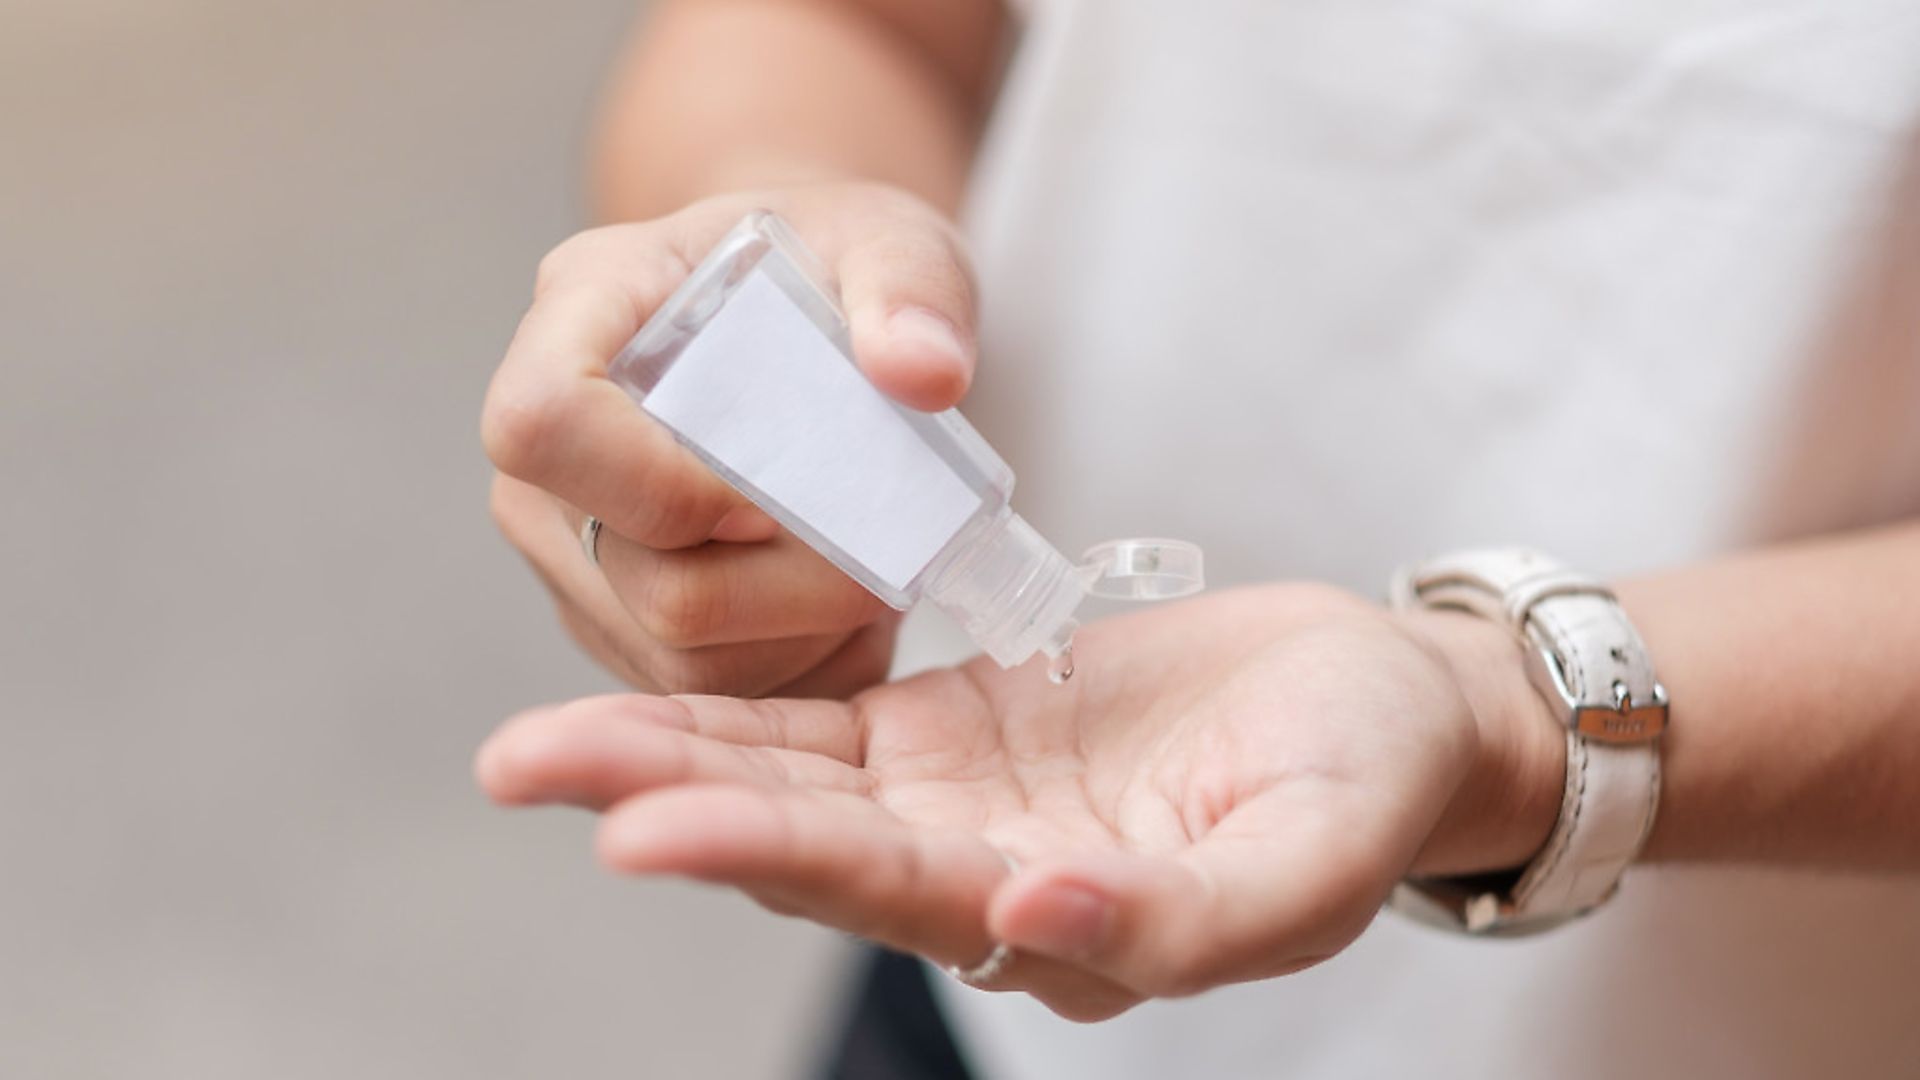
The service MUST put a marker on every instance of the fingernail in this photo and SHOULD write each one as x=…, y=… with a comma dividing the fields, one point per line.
x=917, y=326
x=1067, y=921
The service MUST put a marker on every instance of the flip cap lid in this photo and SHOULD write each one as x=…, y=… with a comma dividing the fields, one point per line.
x=1143, y=569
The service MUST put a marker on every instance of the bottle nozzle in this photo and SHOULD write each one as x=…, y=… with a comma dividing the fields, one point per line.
x=1016, y=595
x=1012, y=591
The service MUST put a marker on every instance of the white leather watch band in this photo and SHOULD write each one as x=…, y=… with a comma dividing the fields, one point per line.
x=1591, y=666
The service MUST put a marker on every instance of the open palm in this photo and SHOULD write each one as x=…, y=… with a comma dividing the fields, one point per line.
x=1226, y=790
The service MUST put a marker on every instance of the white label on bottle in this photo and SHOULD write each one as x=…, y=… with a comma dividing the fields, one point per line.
x=762, y=391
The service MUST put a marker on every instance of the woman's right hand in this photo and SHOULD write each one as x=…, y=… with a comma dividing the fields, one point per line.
x=698, y=590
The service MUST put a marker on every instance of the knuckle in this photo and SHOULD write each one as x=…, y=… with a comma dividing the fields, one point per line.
x=678, y=511
x=552, y=267
x=557, y=265
x=914, y=249
x=566, y=257
x=683, y=605
x=518, y=428
x=925, y=266
x=959, y=266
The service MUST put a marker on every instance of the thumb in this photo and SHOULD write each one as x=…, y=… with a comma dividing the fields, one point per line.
x=910, y=305
x=1259, y=897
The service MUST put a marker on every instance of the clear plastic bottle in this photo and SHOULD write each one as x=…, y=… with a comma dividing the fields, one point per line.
x=750, y=365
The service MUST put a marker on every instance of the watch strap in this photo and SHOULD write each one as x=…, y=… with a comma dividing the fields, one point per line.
x=1592, y=669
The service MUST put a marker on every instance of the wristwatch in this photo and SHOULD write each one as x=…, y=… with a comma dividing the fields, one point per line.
x=1589, y=664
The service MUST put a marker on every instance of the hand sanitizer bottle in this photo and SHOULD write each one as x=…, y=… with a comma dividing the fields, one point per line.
x=750, y=365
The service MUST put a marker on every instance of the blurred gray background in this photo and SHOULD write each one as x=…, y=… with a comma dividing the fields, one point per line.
x=257, y=260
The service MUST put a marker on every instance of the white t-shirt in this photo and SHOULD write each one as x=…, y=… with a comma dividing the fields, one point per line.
x=1325, y=285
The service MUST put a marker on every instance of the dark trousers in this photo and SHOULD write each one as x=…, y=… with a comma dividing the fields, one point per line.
x=893, y=1028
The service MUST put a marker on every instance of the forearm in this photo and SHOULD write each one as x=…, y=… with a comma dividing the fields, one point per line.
x=718, y=95
x=1795, y=679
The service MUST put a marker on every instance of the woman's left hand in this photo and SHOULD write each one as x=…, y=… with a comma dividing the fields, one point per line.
x=1226, y=790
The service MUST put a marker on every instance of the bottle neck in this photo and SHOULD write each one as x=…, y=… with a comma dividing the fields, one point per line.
x=1011, y=591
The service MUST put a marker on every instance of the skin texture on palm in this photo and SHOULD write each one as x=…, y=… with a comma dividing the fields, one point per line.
x=1225, y=791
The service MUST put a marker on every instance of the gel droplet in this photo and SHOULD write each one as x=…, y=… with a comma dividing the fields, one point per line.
x=1060, y=668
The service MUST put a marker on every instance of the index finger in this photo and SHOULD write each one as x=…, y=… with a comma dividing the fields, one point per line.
x=553, y=419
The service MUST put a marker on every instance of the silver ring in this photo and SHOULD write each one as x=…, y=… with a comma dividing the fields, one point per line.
x=984, y=972
x=590, y=539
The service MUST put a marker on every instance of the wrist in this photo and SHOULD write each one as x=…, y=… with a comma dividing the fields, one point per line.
x=1506, y=806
